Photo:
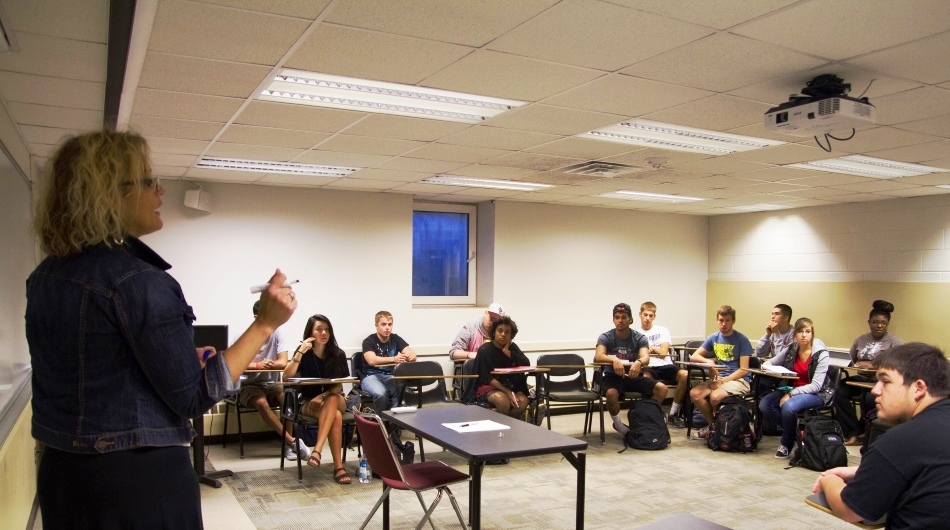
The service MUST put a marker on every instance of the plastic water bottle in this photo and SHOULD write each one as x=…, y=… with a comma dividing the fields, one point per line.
x=364, y=473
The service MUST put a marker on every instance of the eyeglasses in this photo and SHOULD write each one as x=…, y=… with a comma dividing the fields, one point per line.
x=878, y=322
x=147, y=184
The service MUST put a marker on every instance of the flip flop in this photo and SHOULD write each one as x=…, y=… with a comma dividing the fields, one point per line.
x=340, y=476
x=314, y=456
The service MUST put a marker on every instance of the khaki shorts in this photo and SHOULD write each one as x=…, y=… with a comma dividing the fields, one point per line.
x=251, y=392
x=737, y=387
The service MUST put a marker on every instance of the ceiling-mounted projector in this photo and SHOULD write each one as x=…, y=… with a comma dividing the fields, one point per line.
x=825, y=108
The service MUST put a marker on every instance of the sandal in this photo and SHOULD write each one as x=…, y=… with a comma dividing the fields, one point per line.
x=341, y=476
x=314, y=457
x=855, y=440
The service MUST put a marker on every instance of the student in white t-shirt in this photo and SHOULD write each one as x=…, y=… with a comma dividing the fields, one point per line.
x=661, y=365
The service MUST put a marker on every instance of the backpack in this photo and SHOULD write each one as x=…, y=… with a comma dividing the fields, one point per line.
x=648, y=428
x=405, y=451
x=732, y=428
x=820, y=444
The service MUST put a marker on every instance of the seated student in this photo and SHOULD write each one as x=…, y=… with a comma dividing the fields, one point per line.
x=809, y=359
x=508, y=393
x=380, y=349
x=320, y=356
x=778, y=333
x=616, y=346
x=731, y=348
x=863, y=352
x=905, y=474
x=474, y=334
x=661, y=361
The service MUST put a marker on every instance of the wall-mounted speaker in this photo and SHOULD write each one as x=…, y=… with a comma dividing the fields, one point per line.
x=198, y=199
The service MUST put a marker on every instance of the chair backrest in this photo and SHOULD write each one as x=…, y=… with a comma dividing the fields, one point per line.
x=694, y=343
x=433, y=390
x=755, y=362
x=288, y=410
x=833, y=379
x=570, y=371
x=356, y=366
x=376, y=447
x=468, y=391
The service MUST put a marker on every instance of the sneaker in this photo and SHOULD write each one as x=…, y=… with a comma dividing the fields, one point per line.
x=289, y=453
x=782, y=452
x=703, y=434
x=676, y=421
x=622, y=428
x=298, y=450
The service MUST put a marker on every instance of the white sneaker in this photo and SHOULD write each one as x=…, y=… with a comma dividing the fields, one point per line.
x=289, y=453
x=298, y=450
x=303, y=452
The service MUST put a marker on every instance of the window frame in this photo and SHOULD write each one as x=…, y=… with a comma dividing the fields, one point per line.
x=472, y=211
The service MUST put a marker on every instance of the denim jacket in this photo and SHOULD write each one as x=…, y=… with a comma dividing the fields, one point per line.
x=112, y=348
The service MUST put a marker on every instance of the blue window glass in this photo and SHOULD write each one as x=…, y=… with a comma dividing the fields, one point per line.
x=439, y=254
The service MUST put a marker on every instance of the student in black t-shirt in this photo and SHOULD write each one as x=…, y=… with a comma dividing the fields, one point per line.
x=318, y=355
x=905, y=473
x=508, y=393
x=381, y=351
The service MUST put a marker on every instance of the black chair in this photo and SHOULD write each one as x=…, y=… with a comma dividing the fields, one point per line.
x=417, y=477
x=357, y=371
x=290, y=414
x=566, y=382
x=232, y=401
x=429, y=389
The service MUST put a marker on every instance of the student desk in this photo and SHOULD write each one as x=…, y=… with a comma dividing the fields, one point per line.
x=817, y=500
x=756, y=398
x=521, y=439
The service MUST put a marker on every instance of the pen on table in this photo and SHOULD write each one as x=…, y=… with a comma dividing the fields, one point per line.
x=464, y=425
x=260, y=288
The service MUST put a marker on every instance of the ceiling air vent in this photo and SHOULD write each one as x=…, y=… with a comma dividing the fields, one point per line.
x=599, y=169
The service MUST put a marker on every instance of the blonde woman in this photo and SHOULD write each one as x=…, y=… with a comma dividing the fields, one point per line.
x=115, y=373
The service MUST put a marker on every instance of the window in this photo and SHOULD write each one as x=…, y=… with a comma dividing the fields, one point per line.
x=443, y=254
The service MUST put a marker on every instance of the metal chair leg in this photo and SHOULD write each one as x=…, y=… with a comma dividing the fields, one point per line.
x=386, y=490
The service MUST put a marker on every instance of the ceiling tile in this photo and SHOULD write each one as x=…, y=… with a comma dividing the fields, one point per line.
x=222, y=175
x=879, y=138
x=389, y=175
x=26, y=88
x=56, y=57
x=497, y=138
x=596, y=35
x=877, y=185
x=172, y=172
x=296, y=117
x=721, y=62
x=357, y=184
x=720, y=164
x=917, y=154
x=718, y=113
x=249, y=134
x=533, y=161
x=158, y=144
x=855, y=197
x=430, y=167
x=45, y=135
x=512, y=77
x=332, y=158
x=904, y=60
x=201, y=76
x=304, y=181
x=933, y=179
x=169, y=128
x=915, y=192
x=936, y=126
x=184, y=106
x=254, y=152
x=586, y=201
x=291, y=8
x=368, y=145
x=80, y=20
x=719, y=14
x=553, y=120
x=777, y=90
x=62, y=117
x=494, y=172
x=623, y=94
x=771, y=174
x=783, y=154
x=912, y=105
x=823, y=178
x=813, y=193
x=372, y=55
x=582, y=148
x=468, y=23
x=404, y=127
x=171, y=160
x=639, y=157
x=213, y=32
x=455, y=153
x=764, y=187
x=815, y=27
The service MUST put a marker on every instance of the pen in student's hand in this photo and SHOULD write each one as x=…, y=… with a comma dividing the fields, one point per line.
x=260, y=288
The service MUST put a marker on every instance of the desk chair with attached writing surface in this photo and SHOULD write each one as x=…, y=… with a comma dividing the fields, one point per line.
x=566, y=382
x=429, y=389
x=468, y=368
x=416, y=477
x=357, y=398
x=239, y=409
x=290, y=414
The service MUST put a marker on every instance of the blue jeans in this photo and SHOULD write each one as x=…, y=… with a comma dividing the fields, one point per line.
x=788, y=413
x=384, y=389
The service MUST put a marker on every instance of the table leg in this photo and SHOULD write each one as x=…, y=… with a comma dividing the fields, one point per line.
x=385, y=509
x=688, y=402
x=756, y=415
x=198, y=456
x=580, y=464
x=475, y=494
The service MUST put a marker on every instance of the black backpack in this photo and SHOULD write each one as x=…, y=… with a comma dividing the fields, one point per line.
x=648, y=428
x=732, y=427
x=820, y=444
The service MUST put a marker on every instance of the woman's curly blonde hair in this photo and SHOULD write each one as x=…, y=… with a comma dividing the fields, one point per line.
x=81, y=202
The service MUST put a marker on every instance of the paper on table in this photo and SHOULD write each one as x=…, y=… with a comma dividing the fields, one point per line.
x=476, y=426
x=777, y=369
x=341, y=378
x=513, y=369
x=302, y=379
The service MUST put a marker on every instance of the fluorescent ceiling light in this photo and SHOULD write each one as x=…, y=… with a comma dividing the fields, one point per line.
x=866, y=166
x=265, y=166
x=321, y=90
x=514, y=185
x=677, y=138
x=760, y=207
x=650, y=197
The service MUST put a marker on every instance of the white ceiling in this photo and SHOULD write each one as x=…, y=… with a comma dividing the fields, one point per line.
x=581, y=64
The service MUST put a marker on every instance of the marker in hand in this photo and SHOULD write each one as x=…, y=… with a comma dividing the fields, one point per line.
x=260, y=288
x=206, y=354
